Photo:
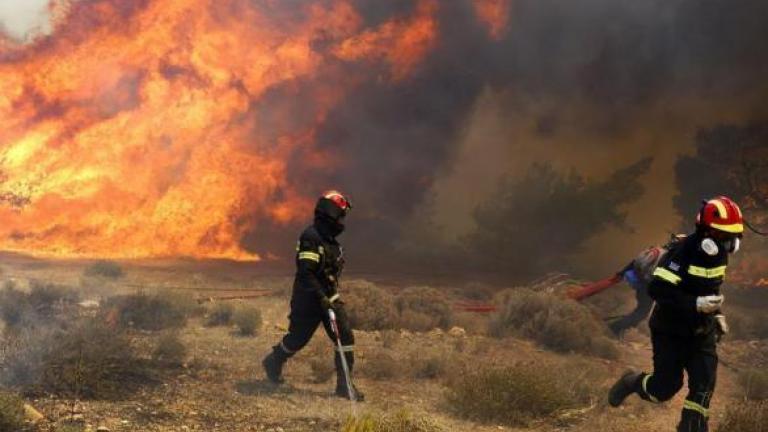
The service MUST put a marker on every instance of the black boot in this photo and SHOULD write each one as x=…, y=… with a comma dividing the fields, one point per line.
x=273, y=364
x=341, y=380
x=625, y=386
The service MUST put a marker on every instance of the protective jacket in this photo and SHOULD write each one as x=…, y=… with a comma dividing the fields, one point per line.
x=319, y=263
x=695, y=268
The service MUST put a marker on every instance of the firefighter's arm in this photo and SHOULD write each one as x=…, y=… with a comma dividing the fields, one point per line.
x=664, y=289
x=308, y=268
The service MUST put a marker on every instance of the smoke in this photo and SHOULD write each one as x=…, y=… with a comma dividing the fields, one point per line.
x=418, y=109
x=589, y=86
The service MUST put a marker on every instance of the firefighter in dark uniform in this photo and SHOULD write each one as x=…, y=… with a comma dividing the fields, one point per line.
x=687, y=321
x=319, y=263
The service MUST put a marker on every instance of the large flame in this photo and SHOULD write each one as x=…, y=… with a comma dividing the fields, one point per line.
x=137, y=128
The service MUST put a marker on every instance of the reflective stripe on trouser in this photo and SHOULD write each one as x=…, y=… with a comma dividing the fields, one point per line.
x=695, y=413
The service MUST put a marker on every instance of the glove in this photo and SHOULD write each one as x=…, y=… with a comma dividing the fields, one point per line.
x=722, y=325
x=330, y=302
x=709, y=304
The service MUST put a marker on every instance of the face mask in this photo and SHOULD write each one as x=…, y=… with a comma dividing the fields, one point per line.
x=732, y=245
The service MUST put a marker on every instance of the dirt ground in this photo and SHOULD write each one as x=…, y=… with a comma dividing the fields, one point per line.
x=222, y=387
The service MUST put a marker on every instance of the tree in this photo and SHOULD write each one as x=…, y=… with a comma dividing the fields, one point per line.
x=535, y=224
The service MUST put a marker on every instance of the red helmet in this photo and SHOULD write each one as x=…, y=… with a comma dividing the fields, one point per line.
x=333, y=205
x=721, y=214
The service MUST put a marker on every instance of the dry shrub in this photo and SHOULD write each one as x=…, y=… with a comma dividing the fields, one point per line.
x=323, y=369
x=152, y=311
x=14, y=306
x=248, y=320
x=369, y=306
x=429, y=365
x=86, y=360
x=381, y=365
x=107, y=269
x=169, y=350
x=220, y=315
x=12, y=417
x=320, y=358
x=518, y=394
x=38, y=306
x=755, y=383
x=747, y=325
x=401, y=421
x=747, y=416
x=423, y=309
x=559, y=324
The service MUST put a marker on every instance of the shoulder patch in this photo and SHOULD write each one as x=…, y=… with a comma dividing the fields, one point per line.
x=709, y=247
x=674, y=266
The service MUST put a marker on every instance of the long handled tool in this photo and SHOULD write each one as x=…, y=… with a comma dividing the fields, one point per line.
x=344, y=365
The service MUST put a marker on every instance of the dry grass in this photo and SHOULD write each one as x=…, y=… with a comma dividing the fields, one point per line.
x=401, y=421
x=559, y=324
x=748, y=416
x=755, y=383
x=12, y=416
x=518, y=394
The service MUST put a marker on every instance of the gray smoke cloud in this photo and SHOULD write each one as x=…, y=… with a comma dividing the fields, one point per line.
x=591, y=86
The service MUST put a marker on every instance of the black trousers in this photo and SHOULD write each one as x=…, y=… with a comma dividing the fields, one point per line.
x=673, y=355
x=303, y=324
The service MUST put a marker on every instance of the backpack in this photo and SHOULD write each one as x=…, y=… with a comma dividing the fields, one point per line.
x=646, y=262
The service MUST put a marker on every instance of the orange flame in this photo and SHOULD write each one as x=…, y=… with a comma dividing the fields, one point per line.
x=129, y=132
x=494, y=14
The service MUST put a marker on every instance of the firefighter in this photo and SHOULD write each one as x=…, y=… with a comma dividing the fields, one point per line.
x=319, y=263
x=687, y=321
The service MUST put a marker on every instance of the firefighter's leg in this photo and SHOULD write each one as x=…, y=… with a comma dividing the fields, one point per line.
x=702, y=376
x=347, y=338
x=300, y=331
x=637, y=316
x=669, y=359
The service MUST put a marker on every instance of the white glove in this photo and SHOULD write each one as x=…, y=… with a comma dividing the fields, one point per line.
x=722, y=324
x=709, y=304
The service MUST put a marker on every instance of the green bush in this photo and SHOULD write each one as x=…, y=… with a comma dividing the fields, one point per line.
x=755, y=383
x=515, y=395
x=559, y=324
x=220, y=315
x=402, y=421
x=155, y=311
x=369, y=306
x=107, y=269
x=248, y=320
x=12, y=417
x=423, y=309
x=169, y=350
x=747, y=416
